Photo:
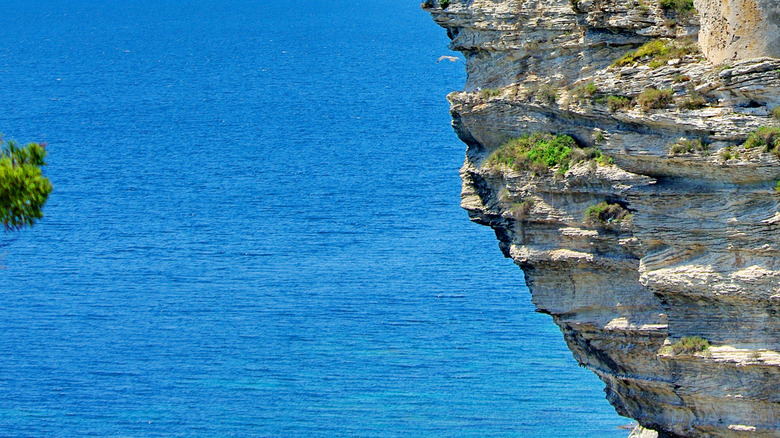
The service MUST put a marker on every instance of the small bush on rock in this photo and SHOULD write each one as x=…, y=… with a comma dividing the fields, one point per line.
x=679, y=6
x=615, y=103
x=583, y=92
x=546, y=93
x=767, y=138
x=689, y=345
x=538, y=152
x=658, y=53
x=653, y=98
x=685, y=146
x=693, y=101
x=521, y=210
x=605, y=213
x=487, y=93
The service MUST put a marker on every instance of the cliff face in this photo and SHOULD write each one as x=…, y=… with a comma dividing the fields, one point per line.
x=693, y=252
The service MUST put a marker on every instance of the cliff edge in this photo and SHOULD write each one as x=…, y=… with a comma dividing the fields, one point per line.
x=626, y=153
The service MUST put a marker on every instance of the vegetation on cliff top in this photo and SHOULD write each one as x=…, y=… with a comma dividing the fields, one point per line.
x=541, y=152
x=23, y=188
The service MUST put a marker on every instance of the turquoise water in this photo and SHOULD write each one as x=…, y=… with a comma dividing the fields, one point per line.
x=255, y=231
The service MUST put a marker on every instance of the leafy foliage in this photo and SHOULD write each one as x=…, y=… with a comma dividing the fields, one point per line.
x=540, y=152
x=23, y=188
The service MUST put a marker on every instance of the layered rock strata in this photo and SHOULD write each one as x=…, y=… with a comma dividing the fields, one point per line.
x=697, y=257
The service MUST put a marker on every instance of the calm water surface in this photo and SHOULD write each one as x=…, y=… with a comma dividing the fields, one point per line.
x=255, y=231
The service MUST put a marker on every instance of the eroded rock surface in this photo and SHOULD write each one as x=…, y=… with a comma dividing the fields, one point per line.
x=739, y=29
x=697, y=257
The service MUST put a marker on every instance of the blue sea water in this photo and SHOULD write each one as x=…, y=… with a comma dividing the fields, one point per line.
x=255, y=231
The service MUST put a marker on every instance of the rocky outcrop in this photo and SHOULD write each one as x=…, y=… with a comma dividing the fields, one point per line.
x=696, y=255
x=739, y=29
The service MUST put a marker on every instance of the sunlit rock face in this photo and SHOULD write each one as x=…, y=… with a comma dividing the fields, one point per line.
x=698, y=255
x=739, y=29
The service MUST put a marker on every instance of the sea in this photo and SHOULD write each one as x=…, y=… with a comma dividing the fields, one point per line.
x=255, y=231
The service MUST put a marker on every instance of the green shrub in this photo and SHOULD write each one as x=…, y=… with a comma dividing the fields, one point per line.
x=598, y=137
x=427, y=4
x=685, y=146
x=679, y=6
x=23, y=188
x=767, y=138
x=444, y=3
x=777, y=187
x=658, y=53
x=689, y=345
x=681, y=78
x=583, y=92
x=547, y=93
x=653, y=98
x=542, y=152
x=538, y=152
x=776, y=113
x=590, y=154
x=693, y=101
x=521, y=210
x=605, y=213
x=615, y=103
x=487, y=93
x=728, y=153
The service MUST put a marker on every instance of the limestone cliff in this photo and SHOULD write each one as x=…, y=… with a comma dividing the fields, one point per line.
x=693, y=253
